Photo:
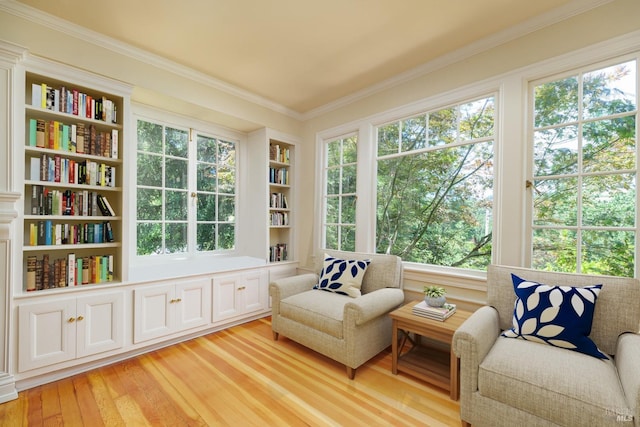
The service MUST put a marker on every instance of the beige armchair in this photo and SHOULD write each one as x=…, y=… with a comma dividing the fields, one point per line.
x=346, y=329
x=510, y=382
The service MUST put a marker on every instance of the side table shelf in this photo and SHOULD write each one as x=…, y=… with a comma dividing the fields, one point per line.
x=429, y=357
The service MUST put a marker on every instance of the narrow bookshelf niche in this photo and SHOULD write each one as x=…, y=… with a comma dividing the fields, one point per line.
x=72, y=192
x=280, y=189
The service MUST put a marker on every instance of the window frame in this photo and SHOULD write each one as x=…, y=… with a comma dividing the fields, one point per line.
x=460, y=98
x=195, y=128
x=340, y=194
x=578, y=70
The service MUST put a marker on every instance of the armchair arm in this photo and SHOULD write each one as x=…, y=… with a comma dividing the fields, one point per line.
x=372, y=305
x=285, y=287
x=471, y=343
x=627, y=360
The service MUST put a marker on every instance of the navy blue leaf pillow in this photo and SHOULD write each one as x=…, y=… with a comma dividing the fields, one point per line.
x=342, y=276
x=560, y=316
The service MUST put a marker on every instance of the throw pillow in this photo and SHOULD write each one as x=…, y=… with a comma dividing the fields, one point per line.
x=342, y=276
x=560, y=316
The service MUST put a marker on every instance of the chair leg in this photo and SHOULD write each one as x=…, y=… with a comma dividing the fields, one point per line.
x=465, y=424
x=275, y=336
x=351, y=372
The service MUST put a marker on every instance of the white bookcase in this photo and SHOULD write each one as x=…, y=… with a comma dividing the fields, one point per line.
x=73, y=173
x=275, y=166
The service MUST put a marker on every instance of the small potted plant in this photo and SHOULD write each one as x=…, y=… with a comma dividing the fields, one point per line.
x=434, y=296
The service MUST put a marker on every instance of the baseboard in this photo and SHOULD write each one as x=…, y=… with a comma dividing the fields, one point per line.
x=7, y=388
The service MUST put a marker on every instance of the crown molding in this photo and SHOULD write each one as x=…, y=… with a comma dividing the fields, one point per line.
x=60, y=25
x=10, y=53
x=559, y=14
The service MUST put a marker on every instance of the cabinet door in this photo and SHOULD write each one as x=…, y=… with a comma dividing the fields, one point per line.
x=47, y=333
x=154, y=312
x=254, y=293
x=193, y=303
x=225, y=297
x=100, y=323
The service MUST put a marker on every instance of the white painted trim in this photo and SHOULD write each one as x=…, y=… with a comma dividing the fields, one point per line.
x=7, y=388
x=59, y=71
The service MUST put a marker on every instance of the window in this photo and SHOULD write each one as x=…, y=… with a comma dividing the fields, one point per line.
x=185, y=192
x=584, y=172
x=340, y=194
x=435, y=186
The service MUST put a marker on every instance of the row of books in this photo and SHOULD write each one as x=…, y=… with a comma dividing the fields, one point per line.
x=278, y=153
x=45, y=233
x=70, y=271
x=278, y=201
x=436, y=313
x=75, y=138
x=72, y=101
x=278, y=218
x=68, y=171
x=279, y=176
x=278, y=252
x=46, y=201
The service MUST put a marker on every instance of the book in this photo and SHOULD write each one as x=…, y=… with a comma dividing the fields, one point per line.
x=71, y=269
x=436, y=313
x=34, y=172
x=31, y=272
x=36, y=95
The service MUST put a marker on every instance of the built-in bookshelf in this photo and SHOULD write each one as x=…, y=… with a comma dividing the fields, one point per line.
x=72, y=184
x=280, y=219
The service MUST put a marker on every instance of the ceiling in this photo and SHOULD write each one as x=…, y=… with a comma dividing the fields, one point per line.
x=303, y=54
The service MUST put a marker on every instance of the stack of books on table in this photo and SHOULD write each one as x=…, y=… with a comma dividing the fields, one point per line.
x=436, y=313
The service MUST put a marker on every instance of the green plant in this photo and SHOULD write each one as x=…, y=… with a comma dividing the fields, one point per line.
x=434, y=291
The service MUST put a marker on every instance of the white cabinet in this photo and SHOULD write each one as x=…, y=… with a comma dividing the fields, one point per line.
x=166, y=309
x=58, y=330
x=241, y=294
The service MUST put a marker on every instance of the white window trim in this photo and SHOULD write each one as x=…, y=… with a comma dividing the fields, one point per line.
x=553, y=76
x=163, y=266
x=510, y=211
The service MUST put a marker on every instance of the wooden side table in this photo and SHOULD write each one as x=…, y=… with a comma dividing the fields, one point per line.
x=430, y=357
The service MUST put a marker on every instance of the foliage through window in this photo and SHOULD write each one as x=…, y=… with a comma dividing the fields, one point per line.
x=435, y=186
x=185, y=192
x=584, y=198
x=340, y=194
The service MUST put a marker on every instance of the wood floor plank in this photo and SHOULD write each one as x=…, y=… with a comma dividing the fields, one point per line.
x=69, y=408
x=86, y=401
x=235, y=377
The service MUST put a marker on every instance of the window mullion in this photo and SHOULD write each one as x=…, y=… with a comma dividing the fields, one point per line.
x=192, y=205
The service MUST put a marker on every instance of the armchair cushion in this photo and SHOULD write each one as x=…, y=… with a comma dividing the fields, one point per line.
x=323, y=311
x=563, y=385
x=342, y=276
x=560, y=316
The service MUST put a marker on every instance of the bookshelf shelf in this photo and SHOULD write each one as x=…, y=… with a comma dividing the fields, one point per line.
x=82, y=218
x=75, y=246
x=73, y=145
x=71, y=155
x=73, y=186
x=42, y=113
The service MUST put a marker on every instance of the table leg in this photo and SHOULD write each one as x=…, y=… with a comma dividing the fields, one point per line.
x=394, y=347
x=454, y=380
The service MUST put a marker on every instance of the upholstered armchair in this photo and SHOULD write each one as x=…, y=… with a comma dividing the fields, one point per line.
x=539, y=374
x=348, y=329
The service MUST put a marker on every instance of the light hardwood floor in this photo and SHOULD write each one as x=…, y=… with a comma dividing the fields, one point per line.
x=236, y=377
